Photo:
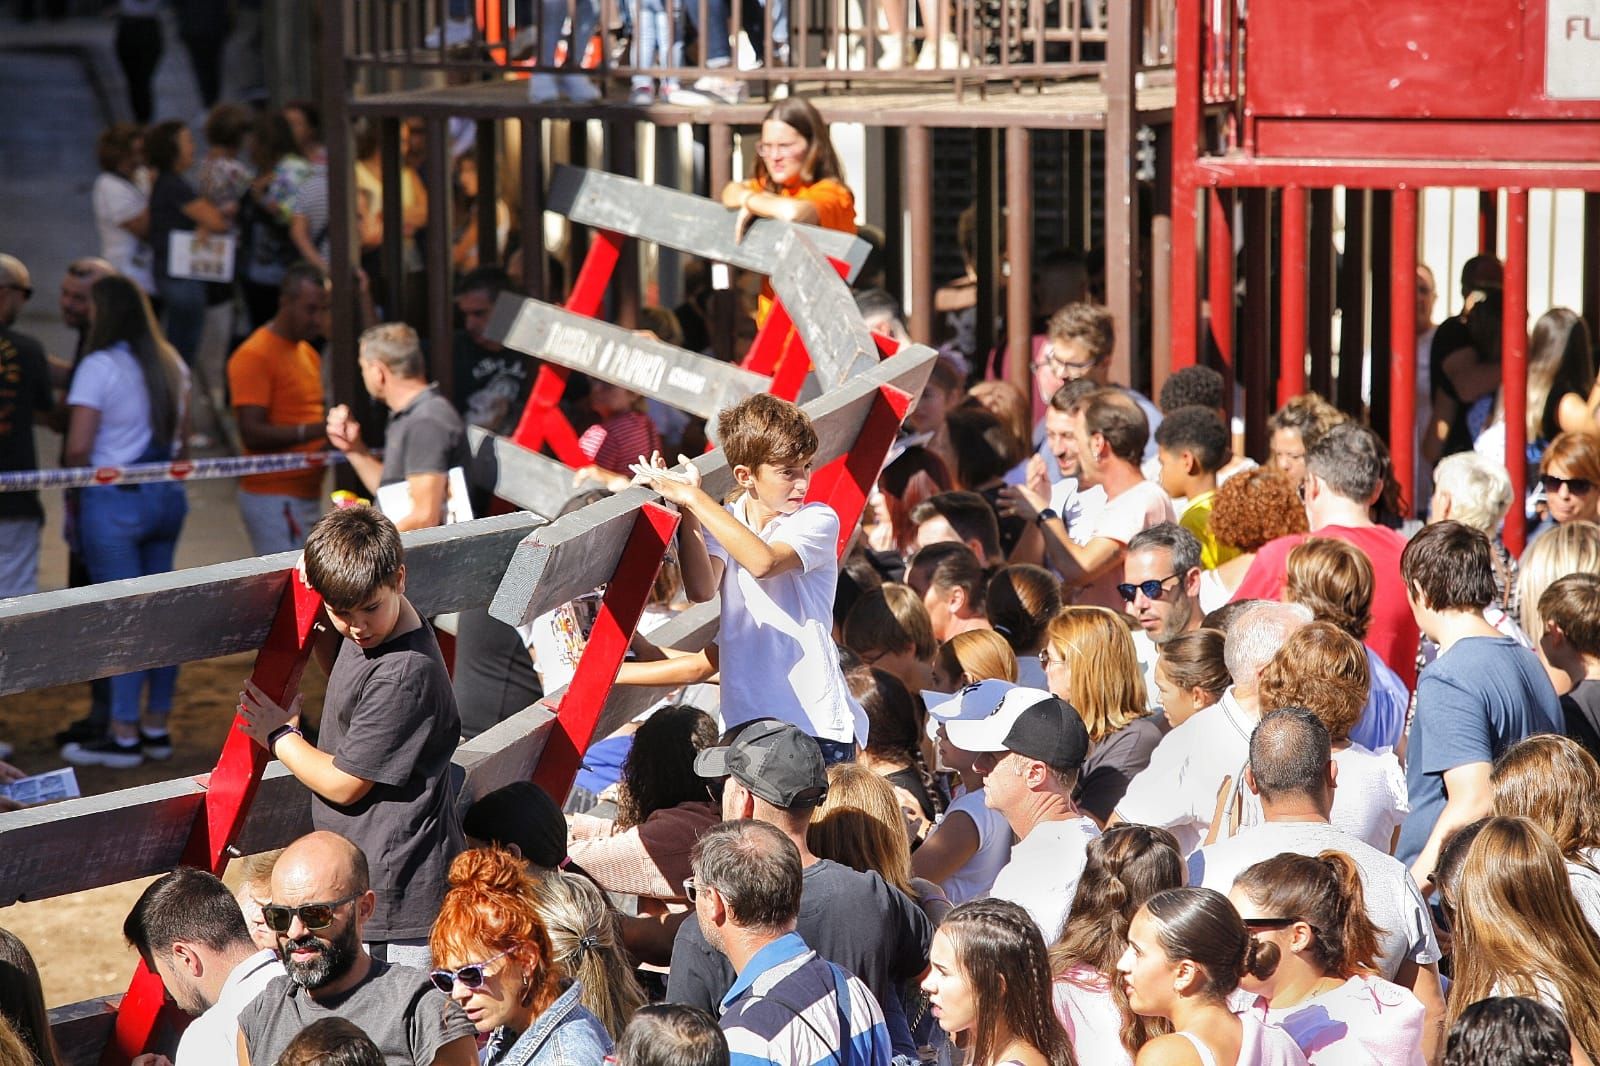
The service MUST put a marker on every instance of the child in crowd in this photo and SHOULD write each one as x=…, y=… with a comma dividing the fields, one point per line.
x=774, y=559
x=379, y=772
x=1570, y=650
x=1193, y=445
x=623, y=433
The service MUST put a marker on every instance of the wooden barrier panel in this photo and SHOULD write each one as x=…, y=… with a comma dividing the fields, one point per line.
x=121, y=626
x=691, y=382
x=688, y=223
x=521, y=477
x=823, y=311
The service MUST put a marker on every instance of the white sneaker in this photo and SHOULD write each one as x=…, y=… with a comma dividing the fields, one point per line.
x=543, y=88
x=456, y=31
x=891, y=51
x=711, y=90
x=946, y=55
x=579, y=89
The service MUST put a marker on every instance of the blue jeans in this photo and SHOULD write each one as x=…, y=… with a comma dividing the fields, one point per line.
x=131, y=531
x=183, y=314
x=715, y=45
x=650, y=39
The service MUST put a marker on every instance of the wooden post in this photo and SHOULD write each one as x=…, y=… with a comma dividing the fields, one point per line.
x=394, y=270
x=919, y=200
x=534, y=280
x=1160, y=301
x=1514, y=363
x=441, y=314
x=1320, y=301
x=343, y=256
x=486, y=154
x=1019, y=253
x=1121, y=190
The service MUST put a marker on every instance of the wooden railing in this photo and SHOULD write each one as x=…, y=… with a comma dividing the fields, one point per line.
x=516, y=564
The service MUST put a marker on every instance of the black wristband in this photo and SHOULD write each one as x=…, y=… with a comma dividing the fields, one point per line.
x=279, y=733
x=1046, y=515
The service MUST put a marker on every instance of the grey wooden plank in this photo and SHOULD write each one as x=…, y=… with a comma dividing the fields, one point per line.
x=688, y=223
x=56, y=638
x=532, y=481
x=823, y=311
x=678, y=378
x=81, y=1030
x=507, y=752
x=574, y=554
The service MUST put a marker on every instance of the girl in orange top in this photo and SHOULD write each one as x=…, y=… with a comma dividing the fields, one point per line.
x=797, y=179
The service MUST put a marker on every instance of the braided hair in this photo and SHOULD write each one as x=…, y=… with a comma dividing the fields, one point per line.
x=1127, y=865
x=1003, y=958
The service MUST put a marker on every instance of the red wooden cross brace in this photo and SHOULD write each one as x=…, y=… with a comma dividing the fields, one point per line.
x=845, y=483
x=229, y=791
x=626, y=595
x=542, y=421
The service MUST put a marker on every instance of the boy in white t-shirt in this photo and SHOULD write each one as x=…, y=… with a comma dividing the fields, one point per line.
x=773, y=557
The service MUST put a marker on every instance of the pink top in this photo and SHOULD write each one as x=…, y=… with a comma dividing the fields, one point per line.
x=1091, y=1017
x=1364, y=1022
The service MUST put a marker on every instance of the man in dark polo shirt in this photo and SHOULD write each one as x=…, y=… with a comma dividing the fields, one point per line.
x=24, y=397
x=425, y=438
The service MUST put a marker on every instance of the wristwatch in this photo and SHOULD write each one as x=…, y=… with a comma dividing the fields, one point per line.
x=1046, y=515
x=279, y=733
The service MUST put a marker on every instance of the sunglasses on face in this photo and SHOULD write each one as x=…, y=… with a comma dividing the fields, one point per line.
x=470, y=976
x=314, y=916
x=1578, y=486
x=1152, y=589
x=1256, y=925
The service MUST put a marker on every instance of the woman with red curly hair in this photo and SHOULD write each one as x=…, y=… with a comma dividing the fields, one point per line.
x=496, y=964
x=1251, y=508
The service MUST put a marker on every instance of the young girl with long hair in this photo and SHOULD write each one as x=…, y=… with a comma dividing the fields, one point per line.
x=973, y=656
x=1090, y=662
x=1187, y=951
x=989, y=984
x=1553, y=781
x=1127, y=865
x=496, y=961
x=127, y=404
x=1309, y=916
x=1519, y=932
x=1191, y=674
x=585, y=946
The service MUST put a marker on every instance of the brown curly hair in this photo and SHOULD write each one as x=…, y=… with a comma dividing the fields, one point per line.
x=1323, y=669
x=1255, y=506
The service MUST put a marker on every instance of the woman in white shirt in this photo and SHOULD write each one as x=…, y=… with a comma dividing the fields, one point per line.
x=1553, y=781
x=127, y=405
x=121, y=198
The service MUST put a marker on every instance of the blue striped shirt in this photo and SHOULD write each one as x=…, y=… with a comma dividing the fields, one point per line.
x=792, y=1008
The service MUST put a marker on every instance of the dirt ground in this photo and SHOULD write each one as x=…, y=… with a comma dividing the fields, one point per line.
x=77, y=939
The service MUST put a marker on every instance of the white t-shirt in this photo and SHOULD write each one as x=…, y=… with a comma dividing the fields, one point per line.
x=1146, y=652
x=117, y=200
x=1213, y=593
x=977, y=876
x=1405, y=929
x=1586, y=886
x=213, y=1037
x=1078, y=508
x=111, y=382
x=1089, y=1014
x=1178, y=790
x=1364, y=1022
x=1042, y=876
x=776, y=641
x=1370, y=801
x=1121, y=520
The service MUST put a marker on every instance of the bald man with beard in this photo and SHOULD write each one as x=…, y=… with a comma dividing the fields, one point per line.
x=321, y=900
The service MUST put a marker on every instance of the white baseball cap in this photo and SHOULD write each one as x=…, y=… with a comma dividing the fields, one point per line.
x=988, y=732
x=977, y=700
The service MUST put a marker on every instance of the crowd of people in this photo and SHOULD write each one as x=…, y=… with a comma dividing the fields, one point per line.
x=1102, y=743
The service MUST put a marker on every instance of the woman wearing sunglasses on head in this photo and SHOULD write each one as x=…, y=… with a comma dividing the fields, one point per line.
x=498, y=965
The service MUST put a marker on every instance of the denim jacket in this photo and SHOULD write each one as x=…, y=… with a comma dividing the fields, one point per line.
x=566, y=1034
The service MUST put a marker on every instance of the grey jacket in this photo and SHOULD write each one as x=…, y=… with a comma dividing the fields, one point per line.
x=566, y=1034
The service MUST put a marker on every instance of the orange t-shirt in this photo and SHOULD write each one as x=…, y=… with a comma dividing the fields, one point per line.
x=836, y=209
x=286, y=378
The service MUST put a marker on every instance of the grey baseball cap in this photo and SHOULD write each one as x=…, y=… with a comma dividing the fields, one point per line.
x=775, y=761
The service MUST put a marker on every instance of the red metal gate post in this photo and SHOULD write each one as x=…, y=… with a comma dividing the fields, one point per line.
x=1186, y=120
x=1219, y=282
x=1403, y=343
x=229, y=792
x=1514, y=362
x=625, y=598
x=1292, y=296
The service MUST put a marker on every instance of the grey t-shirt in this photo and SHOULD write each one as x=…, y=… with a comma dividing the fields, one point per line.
x=426, y=436
x=389, y=717
x=396, y=1006
x=1115, y=761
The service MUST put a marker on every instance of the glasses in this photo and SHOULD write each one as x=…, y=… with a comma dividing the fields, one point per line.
x=313, y=916
x=1258, y=924
x=1061, y=367
x=1578, y=486
x=1152, y=589
x=1045, y=662
x=689, y=889
x=470, y=976
x=780, y=151
x=26, y=290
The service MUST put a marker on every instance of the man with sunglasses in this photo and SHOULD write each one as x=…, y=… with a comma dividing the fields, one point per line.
x=189, y=930
x=1291, y=770
x=25, y=397
x=321, y=900
x=1161, y=590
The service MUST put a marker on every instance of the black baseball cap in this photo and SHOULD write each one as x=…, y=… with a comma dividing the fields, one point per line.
x=1030, y=722
x=775, y=761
